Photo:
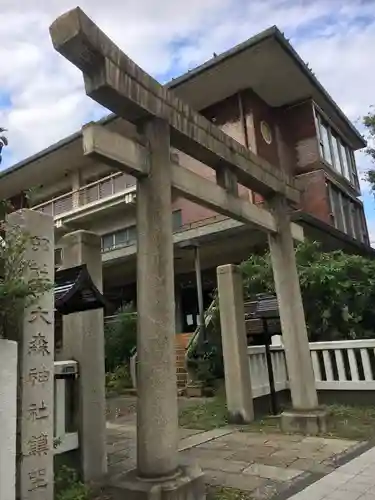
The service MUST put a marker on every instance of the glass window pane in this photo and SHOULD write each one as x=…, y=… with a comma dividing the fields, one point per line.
x=346, y=204
x=326, y=146
x=357, y=223
x=363, y=225
x=353, y=168
x=336, y=199
x=107, y=241
x=176, y=220
x=132, y=234
x=344, y=158
x=336, y=155
x=121, y=237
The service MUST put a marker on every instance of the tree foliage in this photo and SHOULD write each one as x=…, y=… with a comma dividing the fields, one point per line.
x=120, y=338
x=369, y=123
x=338, y=293
x=3, y=141
x=338, y=290
x=16, y=293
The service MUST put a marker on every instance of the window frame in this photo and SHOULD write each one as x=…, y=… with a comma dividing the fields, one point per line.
x=131, y=233
x=353, y=220
x=341, y=144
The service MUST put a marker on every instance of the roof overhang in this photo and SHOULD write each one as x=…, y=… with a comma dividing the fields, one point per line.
x=266, y=63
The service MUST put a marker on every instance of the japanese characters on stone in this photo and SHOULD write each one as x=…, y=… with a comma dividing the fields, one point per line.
x=37, y=366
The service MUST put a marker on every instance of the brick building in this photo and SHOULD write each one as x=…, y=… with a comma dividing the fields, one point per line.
x=263, y=95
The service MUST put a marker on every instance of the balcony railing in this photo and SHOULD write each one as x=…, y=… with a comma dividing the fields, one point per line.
x=99, y=190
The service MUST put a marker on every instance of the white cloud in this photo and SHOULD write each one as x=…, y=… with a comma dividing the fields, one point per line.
x=169, y=37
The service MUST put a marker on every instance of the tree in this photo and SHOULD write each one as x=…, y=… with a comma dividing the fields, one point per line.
x=369, y=123
x=3, y=141
x=338, y=290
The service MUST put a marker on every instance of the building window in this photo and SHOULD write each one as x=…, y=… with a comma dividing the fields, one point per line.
x=325, y=145
x=336, y=153
x=347, y=214
x=121, y=238
x=128, y=235
x=176, y=220
x=107, y=241
x=58, y=257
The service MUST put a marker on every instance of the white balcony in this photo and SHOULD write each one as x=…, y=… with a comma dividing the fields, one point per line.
x=78, y=206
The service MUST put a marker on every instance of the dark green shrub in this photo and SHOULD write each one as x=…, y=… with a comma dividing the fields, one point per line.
x=120, y=338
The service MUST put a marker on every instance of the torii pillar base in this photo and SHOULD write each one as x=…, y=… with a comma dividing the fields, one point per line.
x=187, y=484
x=308, y=422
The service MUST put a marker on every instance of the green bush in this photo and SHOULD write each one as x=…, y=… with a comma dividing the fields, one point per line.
x=206, y=359
x=118, y=380
x=338, y=293
x=68, y=486
x=120, y=338
x=338, y=290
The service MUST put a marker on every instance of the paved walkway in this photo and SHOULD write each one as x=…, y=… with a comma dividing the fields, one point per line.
x=353, y=481
x=264, y=465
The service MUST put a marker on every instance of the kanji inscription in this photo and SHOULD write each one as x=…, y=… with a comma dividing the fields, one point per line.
x=35, y=469
x=39, y=345
x=40, y=243
x=39, y=313
x=38, y=411
x=37, y=479
x=38, y=445
x=38, y=375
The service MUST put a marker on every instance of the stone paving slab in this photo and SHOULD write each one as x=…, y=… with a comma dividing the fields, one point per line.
x=266, y=465
x=353, y=481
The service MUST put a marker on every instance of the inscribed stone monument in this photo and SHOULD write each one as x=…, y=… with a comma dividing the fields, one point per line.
x=36, y=362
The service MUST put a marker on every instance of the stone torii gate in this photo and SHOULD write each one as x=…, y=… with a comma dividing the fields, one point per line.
x=163, y=120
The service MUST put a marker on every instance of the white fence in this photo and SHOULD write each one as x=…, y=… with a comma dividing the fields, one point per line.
x=259, y=373
x=344, y=365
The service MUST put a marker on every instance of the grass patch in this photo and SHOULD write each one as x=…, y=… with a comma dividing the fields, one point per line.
x=205, y=416
x=350, y=422
x=220, y=493
x=345, y=422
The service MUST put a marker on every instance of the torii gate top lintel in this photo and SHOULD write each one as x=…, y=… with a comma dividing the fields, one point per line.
x=116, y=82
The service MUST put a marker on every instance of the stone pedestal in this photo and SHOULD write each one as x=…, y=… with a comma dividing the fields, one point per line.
x=292, y=317
x=35, y=479
x=187, y=484
x=310, y=422
x=83, y=341
x=233, y=336
x=8, y=418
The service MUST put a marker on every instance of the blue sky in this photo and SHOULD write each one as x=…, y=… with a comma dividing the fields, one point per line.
x=42, y=97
